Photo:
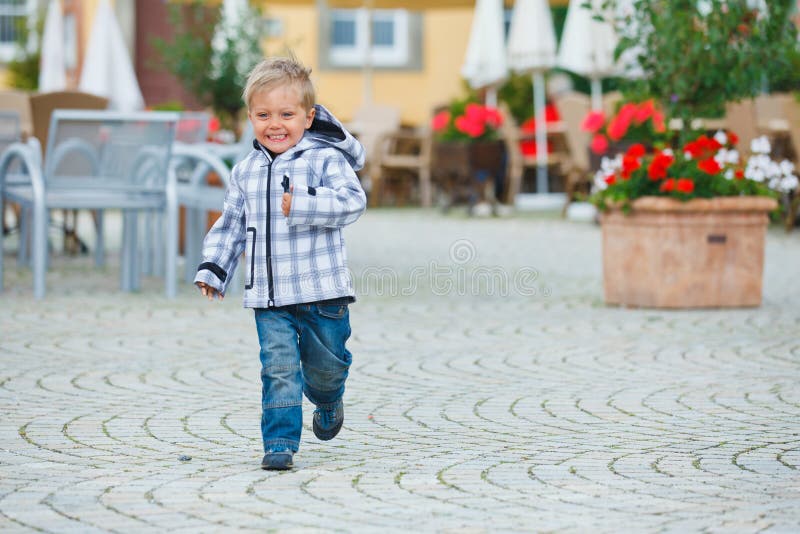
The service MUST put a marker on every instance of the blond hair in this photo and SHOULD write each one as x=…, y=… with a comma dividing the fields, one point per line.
x=276, y=71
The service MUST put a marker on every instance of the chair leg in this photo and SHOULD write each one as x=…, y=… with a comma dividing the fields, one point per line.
x=25, y=218
x=376, y=192
x=40, y=222
x=2, y=235
x=425, y=190
x=99, y=246
x=171, y=247
x=146, y=258
x=158, y=243
x=127, y=251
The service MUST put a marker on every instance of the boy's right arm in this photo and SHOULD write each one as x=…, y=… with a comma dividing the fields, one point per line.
x=224, y=242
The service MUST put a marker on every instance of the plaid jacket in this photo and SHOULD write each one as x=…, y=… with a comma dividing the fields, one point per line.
x=295, y=259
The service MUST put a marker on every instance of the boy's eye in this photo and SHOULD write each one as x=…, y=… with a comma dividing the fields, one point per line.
x=288, y=115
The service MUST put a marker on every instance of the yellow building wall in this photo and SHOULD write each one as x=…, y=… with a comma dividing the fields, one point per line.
x=415, y=93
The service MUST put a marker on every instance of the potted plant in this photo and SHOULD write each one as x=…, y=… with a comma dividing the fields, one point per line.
x=684, y=224
x=467, y=142
x=685, y=228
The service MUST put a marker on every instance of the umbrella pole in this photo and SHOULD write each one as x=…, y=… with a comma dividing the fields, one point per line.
x=597, y=94
x=367, y=68
x=491, y=96
x=541, y=132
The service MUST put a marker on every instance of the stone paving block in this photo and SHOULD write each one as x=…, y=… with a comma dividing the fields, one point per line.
x=465, y=411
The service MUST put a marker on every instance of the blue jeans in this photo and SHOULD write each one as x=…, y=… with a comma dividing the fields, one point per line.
x=302, y=351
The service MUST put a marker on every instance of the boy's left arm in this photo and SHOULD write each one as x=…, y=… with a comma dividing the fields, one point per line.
x=339, y=201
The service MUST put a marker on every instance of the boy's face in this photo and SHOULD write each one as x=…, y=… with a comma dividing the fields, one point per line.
x=278, y=117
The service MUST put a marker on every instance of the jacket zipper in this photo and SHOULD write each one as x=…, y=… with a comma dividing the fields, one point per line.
x=270, y=285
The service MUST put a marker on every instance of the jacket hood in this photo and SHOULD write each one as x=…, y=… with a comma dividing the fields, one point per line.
x=327, y=131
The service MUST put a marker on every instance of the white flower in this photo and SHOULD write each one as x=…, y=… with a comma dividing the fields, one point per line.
x=788, y=184
x=668, y=152
x=787, y=167
x=729, y=174
x=687, y=156
x=725, y=156
x=600, y=181
x=721, y=138
x=760, y=145
x=756, y=174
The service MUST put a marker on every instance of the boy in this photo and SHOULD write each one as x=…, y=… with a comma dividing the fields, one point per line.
x=284, y=207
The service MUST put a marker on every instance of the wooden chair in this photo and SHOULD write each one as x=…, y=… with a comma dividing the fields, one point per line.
x=791, y=108
x=369, y=123
x=573, y=107
x=517, y=161
x=399, y=155
x=740, y=118
x=610, y=102
x=19, y=102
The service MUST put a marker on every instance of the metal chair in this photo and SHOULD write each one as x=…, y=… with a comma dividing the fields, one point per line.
x=98, y=160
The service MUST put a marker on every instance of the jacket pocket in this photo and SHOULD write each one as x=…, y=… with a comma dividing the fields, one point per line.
x=251, y=255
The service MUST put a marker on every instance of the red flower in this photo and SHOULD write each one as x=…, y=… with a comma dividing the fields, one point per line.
x=471, y=126
x=636, y=150
x=684, y=185
x=668, y=185
x=733, y=139
x=440, y=121
x=493, y=117
x=658, y=122
x=599, y=144
x=213, y=125
x=739, y=174
x=709, y=166
x=619, y=125
x=611, y=179
x=645, y=110
x=593, y=121
x=657, y=170
x=702, y=147
x=629, y=164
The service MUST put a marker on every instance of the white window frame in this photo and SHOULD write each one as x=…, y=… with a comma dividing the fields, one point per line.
x=396, y=55
x=9, y=50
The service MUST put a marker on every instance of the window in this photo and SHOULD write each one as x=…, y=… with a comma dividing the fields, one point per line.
x=393, y=38
x=12, y=14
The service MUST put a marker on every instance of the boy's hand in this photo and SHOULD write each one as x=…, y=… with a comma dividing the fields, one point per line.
x=286, y=202
x=209, y=291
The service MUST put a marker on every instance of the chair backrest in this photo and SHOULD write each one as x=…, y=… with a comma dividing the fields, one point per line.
x=43, y=105
x=740, y=118
x=772, y=107
x=110, y=149
x=193, y=127
x=610, y=102
x=573, y=107
x=791, y=108
x=19, y=102
x=371, y=121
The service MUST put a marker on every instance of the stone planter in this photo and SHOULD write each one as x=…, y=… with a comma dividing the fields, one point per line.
x=704, y=253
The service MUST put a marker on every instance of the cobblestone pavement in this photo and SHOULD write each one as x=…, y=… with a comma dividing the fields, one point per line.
x=525, y=407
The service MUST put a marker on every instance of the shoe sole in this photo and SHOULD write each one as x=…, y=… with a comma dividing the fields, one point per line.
x=277, y=466
x=326, y=435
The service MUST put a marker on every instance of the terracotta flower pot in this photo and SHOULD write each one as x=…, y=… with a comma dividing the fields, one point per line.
x=704, y=253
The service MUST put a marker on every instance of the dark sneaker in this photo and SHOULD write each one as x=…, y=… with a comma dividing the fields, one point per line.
x=328, y=421
x=277, y=461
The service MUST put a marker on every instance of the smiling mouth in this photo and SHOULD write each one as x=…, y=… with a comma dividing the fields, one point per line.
x=277, y=137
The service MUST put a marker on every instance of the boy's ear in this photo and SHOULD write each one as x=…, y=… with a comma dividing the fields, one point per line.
x=310, y=117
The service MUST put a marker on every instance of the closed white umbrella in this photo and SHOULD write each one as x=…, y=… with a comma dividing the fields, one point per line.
x=52, y=67
x=107, y=67
x=587, y=46
x=485, y=60
x=532, y=49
